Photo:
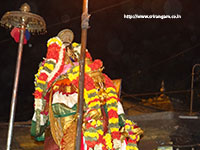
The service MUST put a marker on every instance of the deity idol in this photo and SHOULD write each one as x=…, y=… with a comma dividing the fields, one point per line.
x=56, y=95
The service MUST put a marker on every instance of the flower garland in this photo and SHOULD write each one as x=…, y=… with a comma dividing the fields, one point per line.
x=94, y=134
x=57, y=53
x=132, y=129
x=48, y=71
x=94, y=129
x=113, y=119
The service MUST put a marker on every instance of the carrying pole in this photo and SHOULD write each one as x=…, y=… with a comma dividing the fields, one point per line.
x=84, y=27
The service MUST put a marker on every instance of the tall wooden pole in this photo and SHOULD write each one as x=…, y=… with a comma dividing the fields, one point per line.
x=84, y=27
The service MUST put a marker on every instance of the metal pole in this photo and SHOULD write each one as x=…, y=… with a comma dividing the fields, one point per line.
x=192, y=88
x=84, y=26
x=14, y=94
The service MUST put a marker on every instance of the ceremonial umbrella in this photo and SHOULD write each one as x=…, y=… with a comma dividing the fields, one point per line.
x=24, y=20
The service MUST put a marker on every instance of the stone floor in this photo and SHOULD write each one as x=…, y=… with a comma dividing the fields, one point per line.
x=162, y=130
x=21, y=137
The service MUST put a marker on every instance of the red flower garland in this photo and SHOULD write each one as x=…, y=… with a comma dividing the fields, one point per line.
x=53, y=51
x=96, y=64
x=108, y=81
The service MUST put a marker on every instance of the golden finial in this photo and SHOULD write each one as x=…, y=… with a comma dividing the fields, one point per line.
x=25, y=7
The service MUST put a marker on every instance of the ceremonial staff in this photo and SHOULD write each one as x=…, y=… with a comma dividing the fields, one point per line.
x=23, y=20
x=84, y=27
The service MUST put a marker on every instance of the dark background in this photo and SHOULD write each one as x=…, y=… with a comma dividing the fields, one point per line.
x=142, y=52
